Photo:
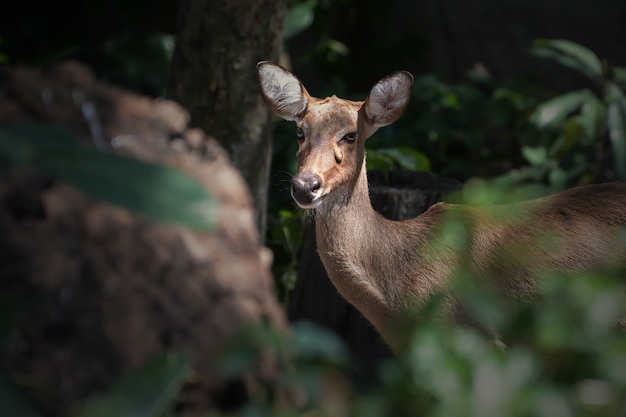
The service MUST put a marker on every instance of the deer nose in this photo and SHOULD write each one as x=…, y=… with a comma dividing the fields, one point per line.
x=304, y=188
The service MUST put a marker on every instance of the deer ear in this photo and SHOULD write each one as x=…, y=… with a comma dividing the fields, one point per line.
x=385, y=103
x=282, y=90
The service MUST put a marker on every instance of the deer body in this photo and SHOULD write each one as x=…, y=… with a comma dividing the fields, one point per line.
x=386, y=268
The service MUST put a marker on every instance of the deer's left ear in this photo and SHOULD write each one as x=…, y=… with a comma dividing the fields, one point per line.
x=282, y=90
x=385, y=103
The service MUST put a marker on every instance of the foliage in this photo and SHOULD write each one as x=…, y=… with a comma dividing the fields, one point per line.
x=299, y=17
x=314, y=14
x=140, y=62
x=155, y=191
x=398, y=157
x=501, y=129
x=574, y=124
x=146, y=392
x=126, y=43
x=563, y=355
x=561, y=358
x=466, y=130
x=560, y=355
x=149, y=391
x=288, y=230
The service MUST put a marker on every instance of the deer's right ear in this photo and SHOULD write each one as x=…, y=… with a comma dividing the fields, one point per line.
x=282, y=90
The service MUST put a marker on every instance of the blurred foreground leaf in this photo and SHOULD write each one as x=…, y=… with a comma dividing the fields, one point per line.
x=146, y=392
x=159, y=192
x=13, y=402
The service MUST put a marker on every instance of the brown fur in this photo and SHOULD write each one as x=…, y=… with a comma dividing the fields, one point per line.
x=385, y=268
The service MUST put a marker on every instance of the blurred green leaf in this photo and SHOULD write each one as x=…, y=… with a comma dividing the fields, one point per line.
x=570, y=54
x=289, y=278
x=552, y=112
x=536, y=156
x=616, y=125
x=573, y=132
x=557, y=177
x=335, y=48
x=311, y=341
x=379, y=161
x=156, y=191
x=619, y=75
x=298, y=18
x=13, y=402
x=291, y=229
x=146, y=392
x=333, y=51
x=591, y=118
x=399, y=157
x=247, y=347
x=613, y=92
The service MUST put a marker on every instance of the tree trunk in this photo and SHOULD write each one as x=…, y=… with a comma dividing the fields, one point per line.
x=213, y=76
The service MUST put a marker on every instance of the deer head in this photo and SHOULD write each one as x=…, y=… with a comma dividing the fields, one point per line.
x=331, y=132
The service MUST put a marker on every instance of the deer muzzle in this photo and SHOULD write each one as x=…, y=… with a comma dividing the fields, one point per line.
x=306, y=189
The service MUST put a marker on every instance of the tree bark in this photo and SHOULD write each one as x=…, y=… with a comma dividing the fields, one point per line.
x=213, y=76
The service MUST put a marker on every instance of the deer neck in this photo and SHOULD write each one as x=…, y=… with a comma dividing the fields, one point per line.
x=340, y=219
x=368, y=258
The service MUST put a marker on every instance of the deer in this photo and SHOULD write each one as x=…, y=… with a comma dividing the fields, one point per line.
x=389, y=269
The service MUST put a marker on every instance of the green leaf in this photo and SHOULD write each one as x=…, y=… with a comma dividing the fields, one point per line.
x=570, y=54
x=551, y=113
x=289, y=278
x=19, y=144
x=557, y=177
x=379, y=160
x=572, y=133
x=591, y=118
x=336, y=47
x=311, y=341
x=291, y=230
x=401, y=157
x=536, y=156
x=616, y=125
x=298, y=18
x=619, y=75
x=158, y=192
x=146, y=392
x=613, y=92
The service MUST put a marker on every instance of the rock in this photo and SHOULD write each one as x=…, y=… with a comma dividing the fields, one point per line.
x=101, y=291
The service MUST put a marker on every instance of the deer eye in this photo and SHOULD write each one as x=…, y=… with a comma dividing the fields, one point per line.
x=299, y=133
x=349, y=138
